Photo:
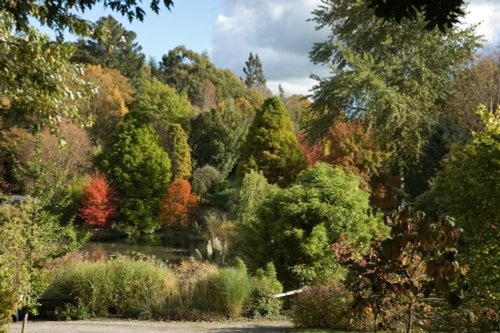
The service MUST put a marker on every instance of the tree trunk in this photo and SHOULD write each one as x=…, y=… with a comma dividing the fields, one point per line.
x=25, y=321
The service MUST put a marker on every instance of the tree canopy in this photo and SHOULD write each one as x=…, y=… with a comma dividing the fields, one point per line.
x=386, y=74
x=272, y=146
x=60, y=15
x=436, y=13
x=140, y=171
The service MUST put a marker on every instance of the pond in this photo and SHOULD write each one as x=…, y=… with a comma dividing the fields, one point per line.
x=165, y=247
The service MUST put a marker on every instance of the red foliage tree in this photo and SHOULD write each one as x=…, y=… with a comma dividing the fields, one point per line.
x=99, y=204
x=312, y=152
x=180, y=206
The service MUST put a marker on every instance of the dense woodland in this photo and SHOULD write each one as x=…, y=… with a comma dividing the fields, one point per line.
x=379, y=191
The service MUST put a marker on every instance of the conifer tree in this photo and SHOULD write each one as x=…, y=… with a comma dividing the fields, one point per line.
x=140, y=171
x=179, y=152
x=272, y=146
x=254, y=72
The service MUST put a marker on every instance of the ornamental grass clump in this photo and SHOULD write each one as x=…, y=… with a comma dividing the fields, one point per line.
x=122, y=286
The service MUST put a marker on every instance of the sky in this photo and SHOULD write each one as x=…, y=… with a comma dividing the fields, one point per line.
x=277, y=30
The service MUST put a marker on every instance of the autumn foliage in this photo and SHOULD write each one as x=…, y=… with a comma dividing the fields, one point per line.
x=180, y=206
x=99, y=206
x=312, y=152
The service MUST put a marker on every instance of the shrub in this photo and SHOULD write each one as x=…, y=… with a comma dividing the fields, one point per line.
x=122, y=286
x=189, y=274
x=225, y=292
x=206, y=180
x=323, y=306
x=264, y=286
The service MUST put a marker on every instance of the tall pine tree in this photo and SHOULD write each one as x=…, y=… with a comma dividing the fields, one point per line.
x=272, y=146
x=254, y=72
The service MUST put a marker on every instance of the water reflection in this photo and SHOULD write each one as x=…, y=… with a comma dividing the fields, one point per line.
x=163, y=246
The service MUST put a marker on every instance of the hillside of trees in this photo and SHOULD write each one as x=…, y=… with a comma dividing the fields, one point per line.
x=381, y=187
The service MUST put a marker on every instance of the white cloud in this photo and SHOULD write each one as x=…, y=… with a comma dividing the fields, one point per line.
x=278, y=31
x=486, y=14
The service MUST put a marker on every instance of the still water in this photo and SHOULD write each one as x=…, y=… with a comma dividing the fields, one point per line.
x=165, y=247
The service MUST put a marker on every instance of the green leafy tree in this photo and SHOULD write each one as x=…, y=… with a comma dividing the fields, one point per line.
x=254, y=72
x=392, y=80
x=272, y=146
x=111, y=46
x=193, y=74
x=163, y=103
x=205, y=181
x=60, y=15
x=180, y=154
x=139, y=169
x=468, y=189
x=39, y=85
x=217, y=136
x=32, y=236
x=251, y=238
x=302, y=221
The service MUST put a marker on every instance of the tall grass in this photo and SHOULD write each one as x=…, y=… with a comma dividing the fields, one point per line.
x=226, y=292
x=122, y=287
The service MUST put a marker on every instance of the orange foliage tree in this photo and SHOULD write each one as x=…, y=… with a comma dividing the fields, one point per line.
x=180, y=206
x=99, y=205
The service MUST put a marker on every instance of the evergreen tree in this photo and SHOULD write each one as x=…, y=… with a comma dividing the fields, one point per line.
x=140, y=171
x=272, y=146
x=217, y=135
x=112, y=46
x=179, y=152
x=254, y=72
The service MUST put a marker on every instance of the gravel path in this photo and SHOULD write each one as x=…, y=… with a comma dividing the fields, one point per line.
x=126, y=326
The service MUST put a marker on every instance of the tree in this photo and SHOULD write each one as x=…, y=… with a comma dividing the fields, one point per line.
x=32, y=236
x=312, y=152
x=254, y=72
x=352, y=146
x=194, y=75
x=111, y=46
x=39, y=86
x=139, y=169
x=419, y=257
x=180, y=154
x=392, y=80
x=217, y=137
x=252, y=233
x=302, y=221
x=271, y=145
x=468, y=190
x=442, y=13
x=70, y=155
x=109, y=105
x=180, y=207
x=60, y=15
x=479, y=84
x=163, y=103
x=99, y=206
x=206, y=180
